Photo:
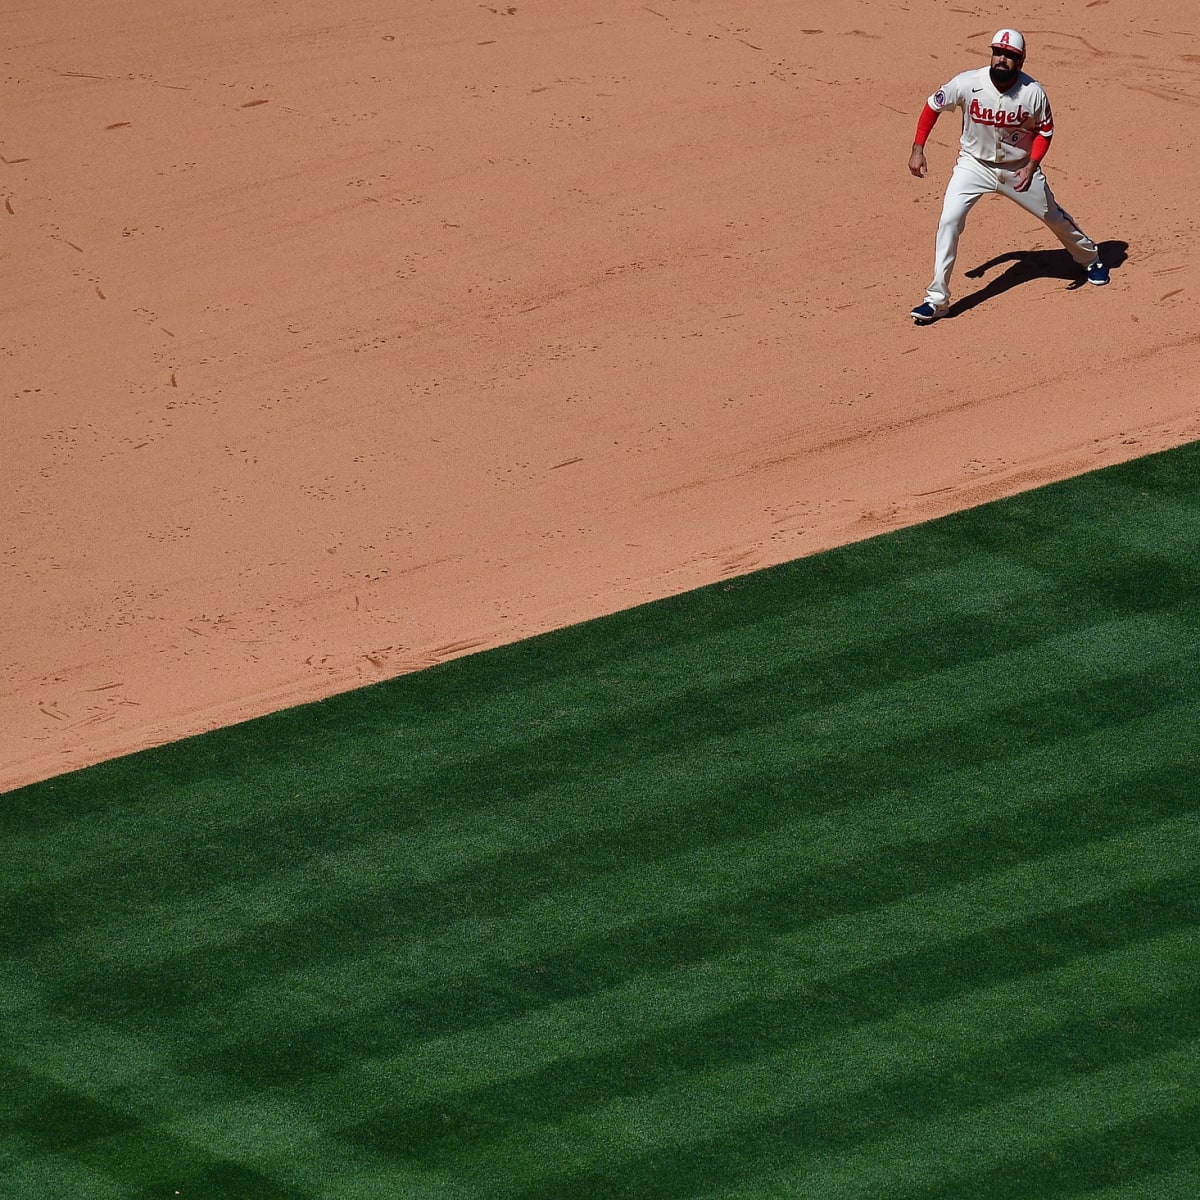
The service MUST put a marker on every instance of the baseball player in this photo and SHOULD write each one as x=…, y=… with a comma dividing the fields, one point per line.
x=1006, y=131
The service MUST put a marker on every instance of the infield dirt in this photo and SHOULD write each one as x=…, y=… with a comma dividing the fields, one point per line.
x=338, y=340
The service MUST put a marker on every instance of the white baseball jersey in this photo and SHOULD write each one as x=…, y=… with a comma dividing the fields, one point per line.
x=998, y=127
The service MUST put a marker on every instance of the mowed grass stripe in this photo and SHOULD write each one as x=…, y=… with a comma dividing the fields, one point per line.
x=1032, y=1145
x=1185, y=849
x=1005, y=697
x=583, y=900
x=143, y=1125
x=956, y=1050
x=823, y=1106
x=775, y=1049
x=838, y=876
x=729, y=870
x=56, y=1175
x=976, y=922
x=1145, y=1176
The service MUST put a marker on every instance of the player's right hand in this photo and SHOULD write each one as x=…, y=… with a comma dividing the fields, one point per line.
x=916, y=163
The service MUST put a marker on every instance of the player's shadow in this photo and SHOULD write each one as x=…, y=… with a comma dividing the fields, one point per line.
x=1027, y=265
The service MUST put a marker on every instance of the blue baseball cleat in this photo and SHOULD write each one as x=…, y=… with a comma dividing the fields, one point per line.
x=923, y=314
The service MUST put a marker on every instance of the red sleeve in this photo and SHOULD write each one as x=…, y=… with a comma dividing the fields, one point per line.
x=1041, y=143
x=925, y=123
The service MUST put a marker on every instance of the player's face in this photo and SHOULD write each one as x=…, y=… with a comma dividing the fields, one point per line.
x=1005, y=65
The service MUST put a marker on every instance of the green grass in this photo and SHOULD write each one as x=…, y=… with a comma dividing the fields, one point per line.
x=869, y=876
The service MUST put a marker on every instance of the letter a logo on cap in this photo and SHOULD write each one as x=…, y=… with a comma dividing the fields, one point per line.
x=1010, y=39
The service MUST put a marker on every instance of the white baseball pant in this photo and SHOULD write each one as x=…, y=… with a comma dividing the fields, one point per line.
x=971, y=179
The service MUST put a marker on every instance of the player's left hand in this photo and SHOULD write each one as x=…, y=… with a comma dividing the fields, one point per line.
x=1023, y=178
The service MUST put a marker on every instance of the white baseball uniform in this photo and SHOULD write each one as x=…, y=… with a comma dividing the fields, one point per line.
x=997, y=134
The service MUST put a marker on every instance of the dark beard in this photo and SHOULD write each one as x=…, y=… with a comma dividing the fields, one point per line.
x=1002, y=76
